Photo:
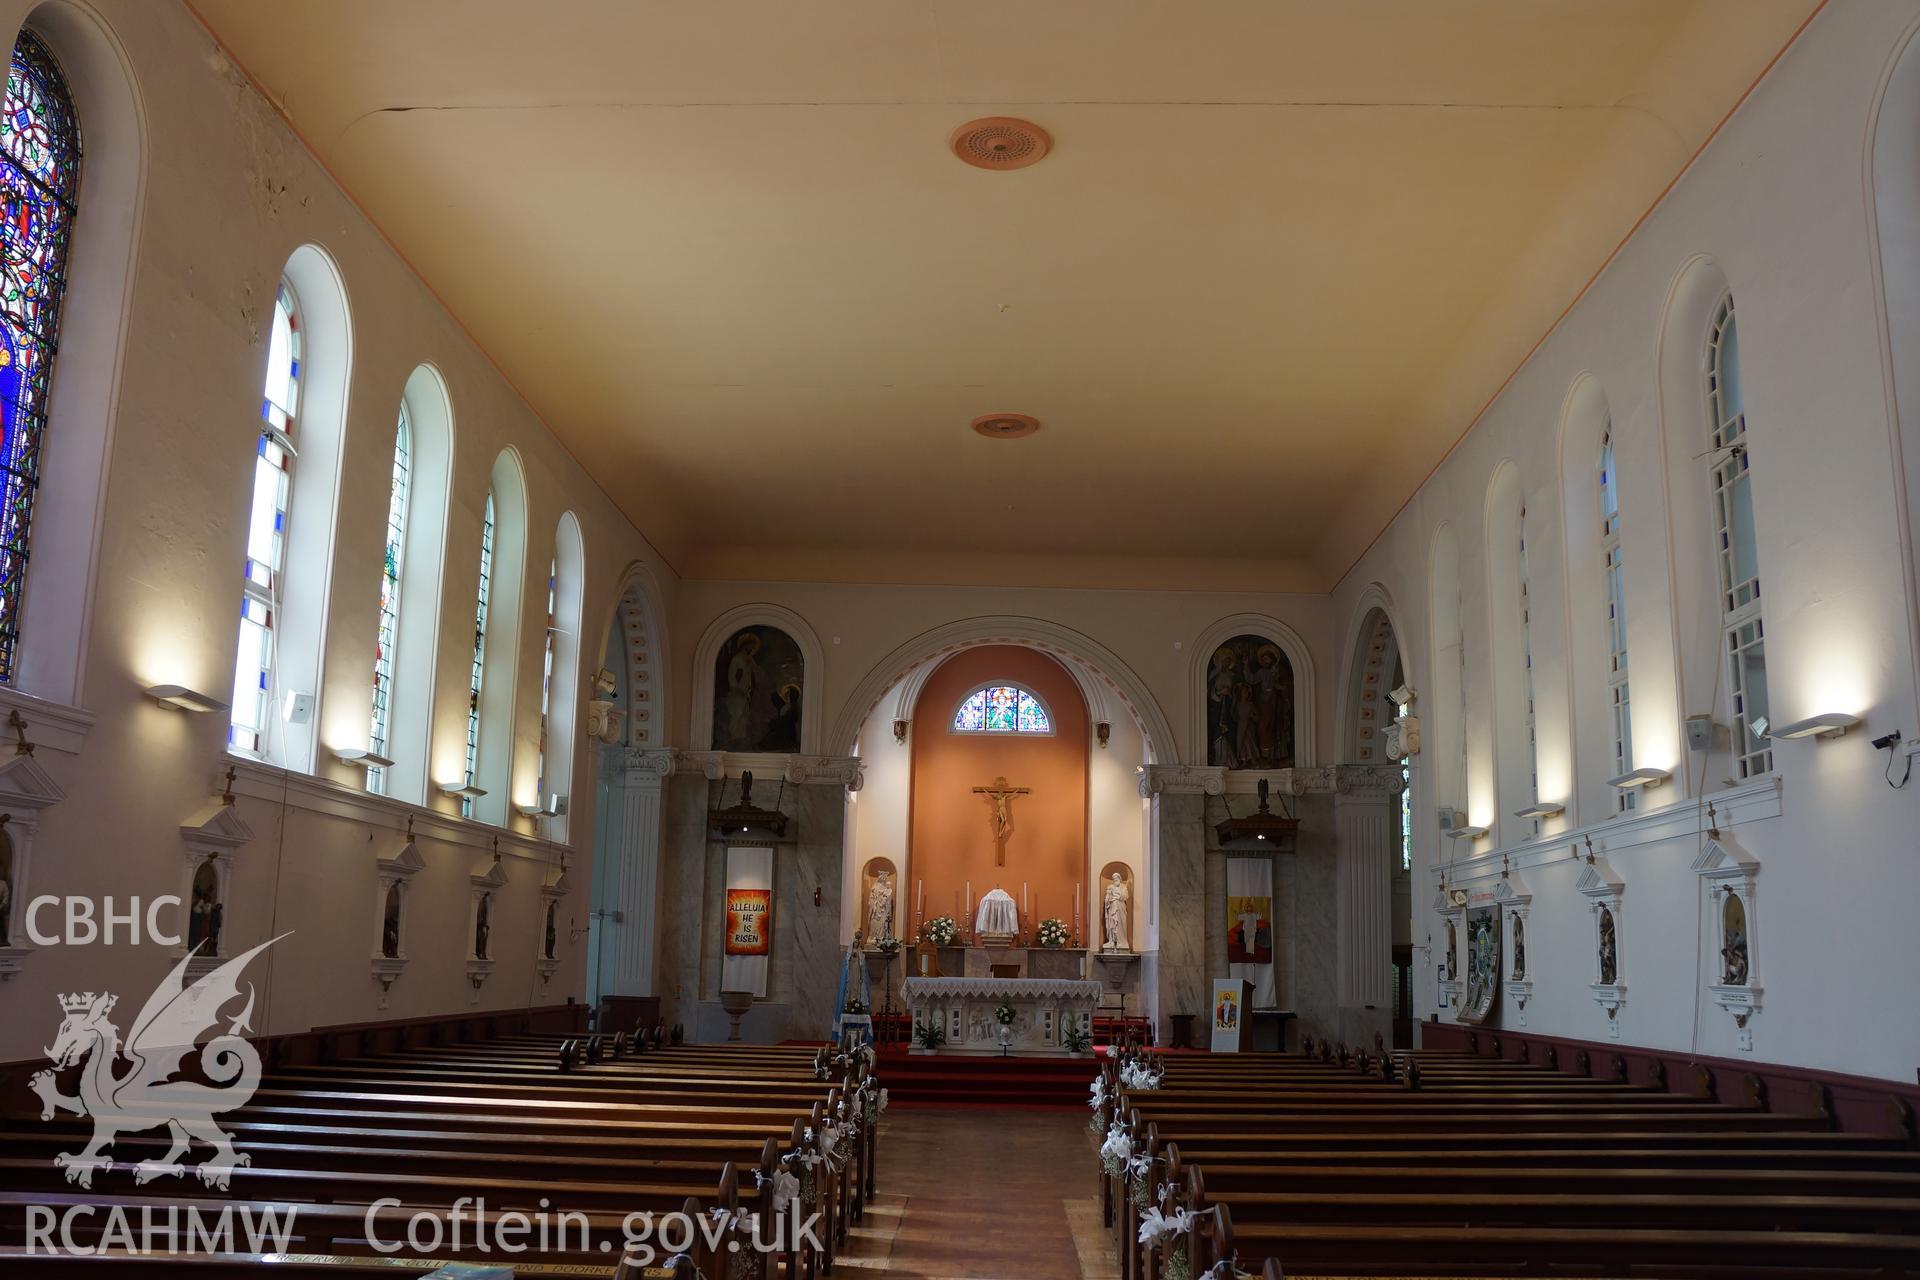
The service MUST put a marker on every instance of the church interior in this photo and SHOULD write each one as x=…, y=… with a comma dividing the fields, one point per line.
x=1086, y=607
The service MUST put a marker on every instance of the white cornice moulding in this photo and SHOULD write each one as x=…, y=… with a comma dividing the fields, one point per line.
x=303, y=791
x=798, y=770
x=1737, y=806
x=49, y=724
x=1311, y=780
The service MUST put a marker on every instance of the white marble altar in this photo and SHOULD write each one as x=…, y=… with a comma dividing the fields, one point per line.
x=1043, y=1009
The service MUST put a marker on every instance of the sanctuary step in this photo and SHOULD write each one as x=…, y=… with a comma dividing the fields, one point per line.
x=953, y=1080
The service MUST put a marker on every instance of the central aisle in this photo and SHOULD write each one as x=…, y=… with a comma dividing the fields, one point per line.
x=984, y=1195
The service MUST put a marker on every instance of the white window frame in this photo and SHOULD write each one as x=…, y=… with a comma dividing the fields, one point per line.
x=481, y=597
x=1742, y=626
x=1613, y=579
x=270, y=594
x=399, y=497
x=1526, y=665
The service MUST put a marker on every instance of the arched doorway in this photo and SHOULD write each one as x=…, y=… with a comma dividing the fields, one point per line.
x=622, y=729
x=1374, y=734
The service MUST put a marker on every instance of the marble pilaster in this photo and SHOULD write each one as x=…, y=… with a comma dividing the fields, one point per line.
x=1366, y=814
x=1176, y=968
x=630, y=881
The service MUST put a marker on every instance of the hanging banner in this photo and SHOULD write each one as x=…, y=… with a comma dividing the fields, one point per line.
x=749, y=914
x=1250, y=925
x=747, y=920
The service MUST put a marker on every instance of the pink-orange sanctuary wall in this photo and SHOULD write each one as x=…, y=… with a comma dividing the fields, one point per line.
x=950, y=840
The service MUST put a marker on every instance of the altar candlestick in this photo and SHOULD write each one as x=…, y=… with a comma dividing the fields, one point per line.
x=1024, y=905
x=919, y=896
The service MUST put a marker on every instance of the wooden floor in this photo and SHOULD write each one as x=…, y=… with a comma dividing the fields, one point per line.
x=984, y=1195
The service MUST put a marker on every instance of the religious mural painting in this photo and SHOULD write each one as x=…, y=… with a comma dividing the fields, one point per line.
x=1483, y=965
x=1250, y=705
x=1249, y=929
x=758, y=682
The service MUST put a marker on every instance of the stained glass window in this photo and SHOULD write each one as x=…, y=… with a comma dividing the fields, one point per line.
x=262, y=589
x=39, y=178
x=479, y=651
x=1003, y=708
x=390, y=595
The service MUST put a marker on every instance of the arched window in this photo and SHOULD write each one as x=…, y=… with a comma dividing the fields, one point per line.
x=288, y=560
x=1002, y=708
x=1736, y=549
x=1526, y=665
x=1611, y=564
x=541, y=790
x=39, y=180
x=267, y=528
x=560, y=681
x=1447, y=714
x=479, y=653
x=387, y=639
x=410, y=623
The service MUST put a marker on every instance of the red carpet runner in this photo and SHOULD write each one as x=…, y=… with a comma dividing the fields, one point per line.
x=964, y=1080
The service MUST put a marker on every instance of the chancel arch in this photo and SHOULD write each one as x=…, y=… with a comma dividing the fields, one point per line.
x=1107, y=683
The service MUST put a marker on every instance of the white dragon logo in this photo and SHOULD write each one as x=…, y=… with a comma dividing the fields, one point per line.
x=147, y=1096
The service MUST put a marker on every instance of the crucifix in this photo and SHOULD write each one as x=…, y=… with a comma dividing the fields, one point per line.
x=1000, y=796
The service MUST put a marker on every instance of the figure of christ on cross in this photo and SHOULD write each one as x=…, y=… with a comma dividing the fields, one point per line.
x=1000, y=796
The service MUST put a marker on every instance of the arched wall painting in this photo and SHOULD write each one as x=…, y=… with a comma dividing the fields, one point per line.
x=758, y=682
x=1250, y=705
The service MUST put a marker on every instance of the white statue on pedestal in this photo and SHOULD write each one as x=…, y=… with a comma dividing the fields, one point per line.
x=1115, y=913
x=880, y=908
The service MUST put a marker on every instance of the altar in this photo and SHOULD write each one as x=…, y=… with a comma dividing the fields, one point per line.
x=1043, y=1008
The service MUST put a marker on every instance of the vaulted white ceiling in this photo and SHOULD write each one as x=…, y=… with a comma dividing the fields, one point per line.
x=1281, y=254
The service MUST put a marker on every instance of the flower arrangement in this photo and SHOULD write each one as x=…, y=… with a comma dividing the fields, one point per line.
x=1076, y=1039
x=1174, y=1229
x=855, y=1005
x=940, y=931
x=1052, y=932
x=887, y=945
x=1004, y=1015
x=929, y=1035
x=1135, y=1075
